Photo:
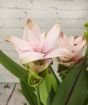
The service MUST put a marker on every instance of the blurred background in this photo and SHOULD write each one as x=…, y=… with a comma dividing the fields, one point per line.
x=72, y=14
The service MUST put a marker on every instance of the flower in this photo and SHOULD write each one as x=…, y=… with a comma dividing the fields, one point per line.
x=76, y=46
x=37, y=46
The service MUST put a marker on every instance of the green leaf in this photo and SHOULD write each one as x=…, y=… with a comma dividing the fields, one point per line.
x=22, y=74
x=47, y=87
x=51, y=96
x=28, y=93
x=80, y=93
x=48, y=83
x=54, y=75
x=69, y=84
x=51, y=82
x=43, y=92
x=13, y=67
x=52, y=87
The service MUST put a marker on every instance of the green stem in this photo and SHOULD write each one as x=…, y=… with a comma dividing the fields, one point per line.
x=38, y=95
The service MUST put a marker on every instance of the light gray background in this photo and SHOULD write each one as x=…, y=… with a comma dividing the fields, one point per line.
x=72, y=14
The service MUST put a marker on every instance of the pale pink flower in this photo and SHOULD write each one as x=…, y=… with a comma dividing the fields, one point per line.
x=37, y=46
x=76, y=46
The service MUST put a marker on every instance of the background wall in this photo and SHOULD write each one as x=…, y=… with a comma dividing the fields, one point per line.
x=13, y=13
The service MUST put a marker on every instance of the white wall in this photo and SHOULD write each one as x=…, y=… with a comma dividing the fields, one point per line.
x=13, y=13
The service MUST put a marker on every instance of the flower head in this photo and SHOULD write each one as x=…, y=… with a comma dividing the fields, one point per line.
x=36, y=46
x=75, y=45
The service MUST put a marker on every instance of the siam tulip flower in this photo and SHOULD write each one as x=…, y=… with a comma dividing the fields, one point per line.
x=36, y=47
x=76, y=46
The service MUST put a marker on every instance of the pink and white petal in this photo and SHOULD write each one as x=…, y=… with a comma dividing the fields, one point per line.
x=70, y=43
x=77, y=40
x=32, y=39
x=31, y=30
x=64, y=41
x=42, y=38
x=27, y=57
x=76, y=58
x=63, y=36
x=38, y=46
x=80, y=53
x=19, y=44
x=61, y=52
x=51, y=38
x=80, y=46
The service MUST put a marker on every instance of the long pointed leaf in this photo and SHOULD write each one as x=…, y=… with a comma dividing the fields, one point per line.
x=13, y=67
x=67, y=87
x=80, y=93
x=19, y=72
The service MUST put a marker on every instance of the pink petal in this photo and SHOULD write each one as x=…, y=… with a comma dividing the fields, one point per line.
x=66, y=41
x=42, y=38
x=77, y=40
x=61, y=52
x=51, y=38
x=20, y=45
x=79, y=54
x=31, y=32
x=27, y=57
x=79, y=51
x=71, y=41
x=63, y=40
x=80, y=46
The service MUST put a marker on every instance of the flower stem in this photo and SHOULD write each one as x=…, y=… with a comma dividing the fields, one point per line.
x=38, y=95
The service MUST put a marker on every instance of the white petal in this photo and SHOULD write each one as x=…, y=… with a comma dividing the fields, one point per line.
x=31, y=32
x=19, y=44
x=27, y=57
x=61, y=52
x=51, y=38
